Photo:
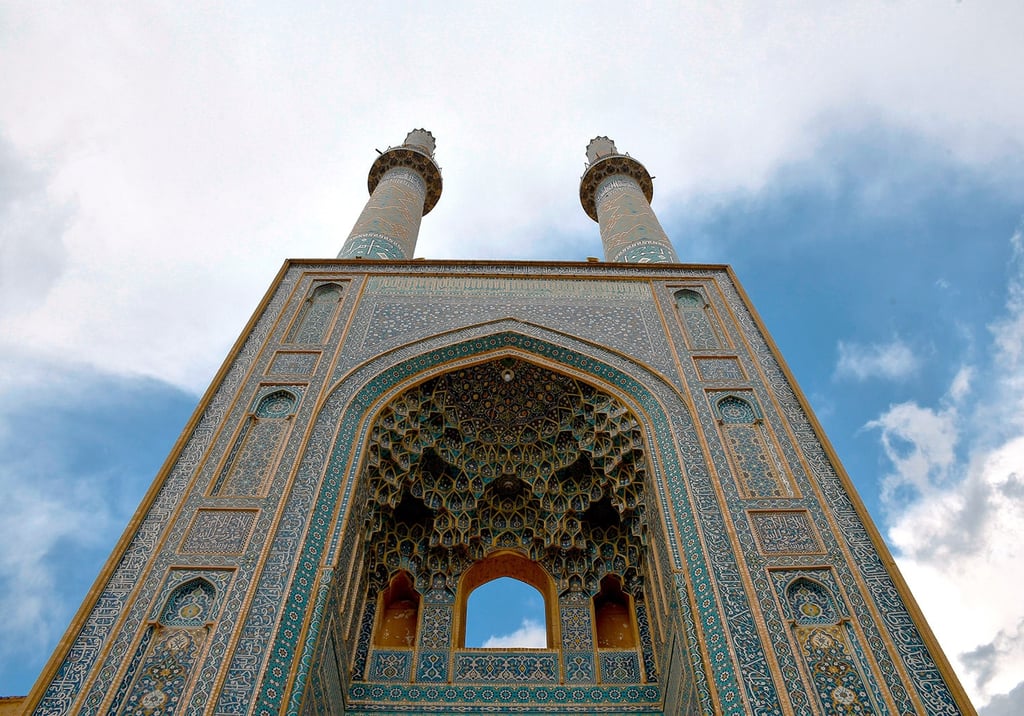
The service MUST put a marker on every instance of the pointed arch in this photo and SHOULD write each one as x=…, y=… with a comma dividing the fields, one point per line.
x=732, y=409
x=190, y=604
x=279, y=404
x=753, y=454
x=832, y=665
x=357, y=400
x=700, y=327
x=316, y=315
x=507, y=564
x=398, y=614
x=253, y=459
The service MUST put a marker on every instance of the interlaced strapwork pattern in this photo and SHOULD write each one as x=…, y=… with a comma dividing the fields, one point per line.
x=506, y=455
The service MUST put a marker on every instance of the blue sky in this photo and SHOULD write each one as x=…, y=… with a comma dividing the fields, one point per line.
x=860, y=168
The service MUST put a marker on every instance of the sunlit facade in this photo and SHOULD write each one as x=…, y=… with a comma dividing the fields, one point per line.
x=389, y=434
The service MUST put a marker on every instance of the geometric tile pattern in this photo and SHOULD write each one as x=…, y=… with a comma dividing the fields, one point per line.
x=646, y=643
x=516, y=667
x=255, y=450
x=579, y=667
x=219, y=532
x=502, y=697
x=165, y=670
x=719, y=369
x=784, y=532
x=316, y=315
x=577, y=630
x=390, y=666
x=699, y=326
x=436, y=627
x=826, y=649
x=750, y=449
x=619, y=667
x=432, y=666
x=293, y=363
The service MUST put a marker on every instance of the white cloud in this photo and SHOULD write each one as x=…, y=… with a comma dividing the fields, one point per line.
x=961, y=385
x=921, y=443
x=956, y=529
x=48, y=518
x=530, y=635
x=32, y=256
x=958, y=549
x=1011, y=704
x=893, y=360
x=200, y=149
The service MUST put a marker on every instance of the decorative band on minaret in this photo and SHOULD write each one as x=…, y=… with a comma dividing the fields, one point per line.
x=405, y=184
x=616, y=192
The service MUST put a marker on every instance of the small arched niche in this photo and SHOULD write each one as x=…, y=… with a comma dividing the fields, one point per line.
x=811, y=602
x=614, y=619
x=279, y=404
x=733, y=410
x=399, y=613
x=514, y=566
x=190, y=604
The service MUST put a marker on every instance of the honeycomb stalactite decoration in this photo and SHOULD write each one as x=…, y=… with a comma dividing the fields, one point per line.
x=506, y=455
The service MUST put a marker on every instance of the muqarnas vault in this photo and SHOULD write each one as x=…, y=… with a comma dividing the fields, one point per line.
x=387, y=435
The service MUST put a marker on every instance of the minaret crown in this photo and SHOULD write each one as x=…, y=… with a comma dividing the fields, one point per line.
x=421, y=139
x=600, y=147
x=603, y=161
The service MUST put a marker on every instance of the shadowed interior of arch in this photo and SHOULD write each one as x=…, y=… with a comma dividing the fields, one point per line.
x=506, y=613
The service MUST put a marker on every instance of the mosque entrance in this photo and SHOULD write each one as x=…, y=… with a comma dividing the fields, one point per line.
x=503, y=469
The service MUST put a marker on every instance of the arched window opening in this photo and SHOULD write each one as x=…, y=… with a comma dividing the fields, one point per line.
x=613, y=616
x=505, y=613
x=400, y=611
x=504, y=568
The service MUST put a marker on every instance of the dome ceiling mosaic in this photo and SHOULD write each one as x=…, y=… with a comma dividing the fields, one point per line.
x=506, y=455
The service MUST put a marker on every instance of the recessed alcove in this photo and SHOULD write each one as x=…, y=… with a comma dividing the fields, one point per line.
x=613, y=616
x=399, y=615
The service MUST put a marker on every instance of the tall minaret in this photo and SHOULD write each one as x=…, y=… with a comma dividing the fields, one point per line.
x=405, y=184
x=616, y=192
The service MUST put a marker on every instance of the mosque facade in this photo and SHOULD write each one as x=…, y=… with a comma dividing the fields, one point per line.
x=388, y=434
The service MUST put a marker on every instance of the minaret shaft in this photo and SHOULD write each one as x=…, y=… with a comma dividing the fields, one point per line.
x=615, y=191
x=405, y=184
x=390, y=222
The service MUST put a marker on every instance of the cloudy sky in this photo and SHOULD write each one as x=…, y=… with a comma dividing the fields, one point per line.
x=861, y=166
